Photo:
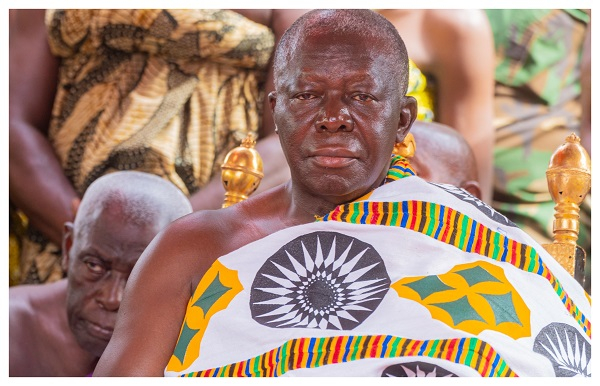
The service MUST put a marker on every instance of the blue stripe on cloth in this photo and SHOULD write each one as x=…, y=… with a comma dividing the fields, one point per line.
x=404, y=214
x=471, y=236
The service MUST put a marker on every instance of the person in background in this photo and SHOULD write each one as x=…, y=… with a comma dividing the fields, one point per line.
x=542, y=95
x=62, y=328
x=168, y=92
x=453, y=50
x=443, y=156
x=355, y=267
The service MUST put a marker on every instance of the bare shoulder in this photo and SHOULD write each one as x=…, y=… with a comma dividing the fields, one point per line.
x=20, y=317
x=35, y=315
x=19, y=305
x=29, y=301
x=457, y=21
x=196, y=240
x=461, y=41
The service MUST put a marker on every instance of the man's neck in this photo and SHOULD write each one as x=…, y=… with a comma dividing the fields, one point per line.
x=307, y=207
x=62, y=352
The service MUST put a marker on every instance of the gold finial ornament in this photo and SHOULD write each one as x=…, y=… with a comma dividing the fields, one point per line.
x=241, y=172
x=407, y=147
x=569, y=181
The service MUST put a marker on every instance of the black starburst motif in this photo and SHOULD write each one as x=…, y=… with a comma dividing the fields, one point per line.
x=484, y=208
x=566, y=348
x=416, y=369
x=324, y=280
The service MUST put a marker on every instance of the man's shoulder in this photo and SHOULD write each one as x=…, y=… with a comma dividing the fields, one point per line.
x=25, y=323
x=449, y=24
x=20, y=305
x=198, y=239
x=195, y=229
x=28, y=303
x=244, y=216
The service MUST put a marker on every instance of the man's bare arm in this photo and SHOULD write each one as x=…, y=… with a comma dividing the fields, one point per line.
x=37, y=184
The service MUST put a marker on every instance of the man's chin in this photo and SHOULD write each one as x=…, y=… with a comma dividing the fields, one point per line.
x=94, y=346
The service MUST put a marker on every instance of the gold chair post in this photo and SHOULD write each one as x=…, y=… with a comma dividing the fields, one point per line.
x=241, y=172
x=569, y=181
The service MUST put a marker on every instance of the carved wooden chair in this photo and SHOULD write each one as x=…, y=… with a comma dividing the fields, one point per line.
x=569, y=181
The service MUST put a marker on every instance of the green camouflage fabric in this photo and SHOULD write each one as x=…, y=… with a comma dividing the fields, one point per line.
x=538, y=55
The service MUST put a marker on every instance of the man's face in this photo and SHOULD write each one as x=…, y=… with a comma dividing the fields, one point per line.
x=337, y=109
x=100, y=260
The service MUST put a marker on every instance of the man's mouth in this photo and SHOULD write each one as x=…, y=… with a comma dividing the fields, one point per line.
x=98, y=331
x=333, y=157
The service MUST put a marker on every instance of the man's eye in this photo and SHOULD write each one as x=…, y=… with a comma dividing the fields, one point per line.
x=95, y=267
x=363, y=97
x=305, y=96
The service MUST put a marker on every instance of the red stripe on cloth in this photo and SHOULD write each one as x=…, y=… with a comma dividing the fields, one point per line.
x=375, y=209
x=374, y=347
x=450, y=349
x=479, y=243
x=413, y=215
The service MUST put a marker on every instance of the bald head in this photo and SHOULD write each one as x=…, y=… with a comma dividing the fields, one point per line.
x=358, y=22
x=443, y=156
x=118, y=217
x=137, y=198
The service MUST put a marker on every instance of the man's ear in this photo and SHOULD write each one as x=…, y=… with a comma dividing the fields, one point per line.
x=75, y=206
x=67, y=243
x=272, y=100
x=408, y=114
x=472, y=187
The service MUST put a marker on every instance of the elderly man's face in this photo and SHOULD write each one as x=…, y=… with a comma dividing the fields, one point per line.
x=100, y=259
x=338, y=110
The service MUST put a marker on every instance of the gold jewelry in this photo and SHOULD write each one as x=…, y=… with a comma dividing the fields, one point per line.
x=407, y=147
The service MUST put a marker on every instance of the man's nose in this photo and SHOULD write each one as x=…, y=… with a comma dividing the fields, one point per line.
x=111, y=293
x=334, y=116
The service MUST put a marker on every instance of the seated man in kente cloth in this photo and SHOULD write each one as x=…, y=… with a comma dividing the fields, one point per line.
x=62, y=328
x=355, y=267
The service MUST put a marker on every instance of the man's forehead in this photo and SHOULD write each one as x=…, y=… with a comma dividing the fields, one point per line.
x=325, y=60
x=336, y=52
x=334, y=40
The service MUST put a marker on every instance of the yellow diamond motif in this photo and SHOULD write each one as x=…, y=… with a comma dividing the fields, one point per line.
x=470, y=297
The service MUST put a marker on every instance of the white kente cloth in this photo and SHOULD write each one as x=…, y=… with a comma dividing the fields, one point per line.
x=391, y=285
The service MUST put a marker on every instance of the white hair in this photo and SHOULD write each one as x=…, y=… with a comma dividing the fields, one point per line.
x=139, y=197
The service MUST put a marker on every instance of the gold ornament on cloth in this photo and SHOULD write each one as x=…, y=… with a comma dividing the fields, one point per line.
x=241, y=172
x=569, y=181
x=407, y=147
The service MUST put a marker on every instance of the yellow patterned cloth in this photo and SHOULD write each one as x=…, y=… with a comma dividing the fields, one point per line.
x=162, y=91
x=168, y=92
x=423, y=91
x=414, y=279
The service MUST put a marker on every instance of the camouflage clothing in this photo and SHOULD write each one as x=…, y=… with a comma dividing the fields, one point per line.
x=538, y=55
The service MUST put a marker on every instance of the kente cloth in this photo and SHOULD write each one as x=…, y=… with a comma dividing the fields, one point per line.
x=168, y=92
x=536, y=106
x=414, y=279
